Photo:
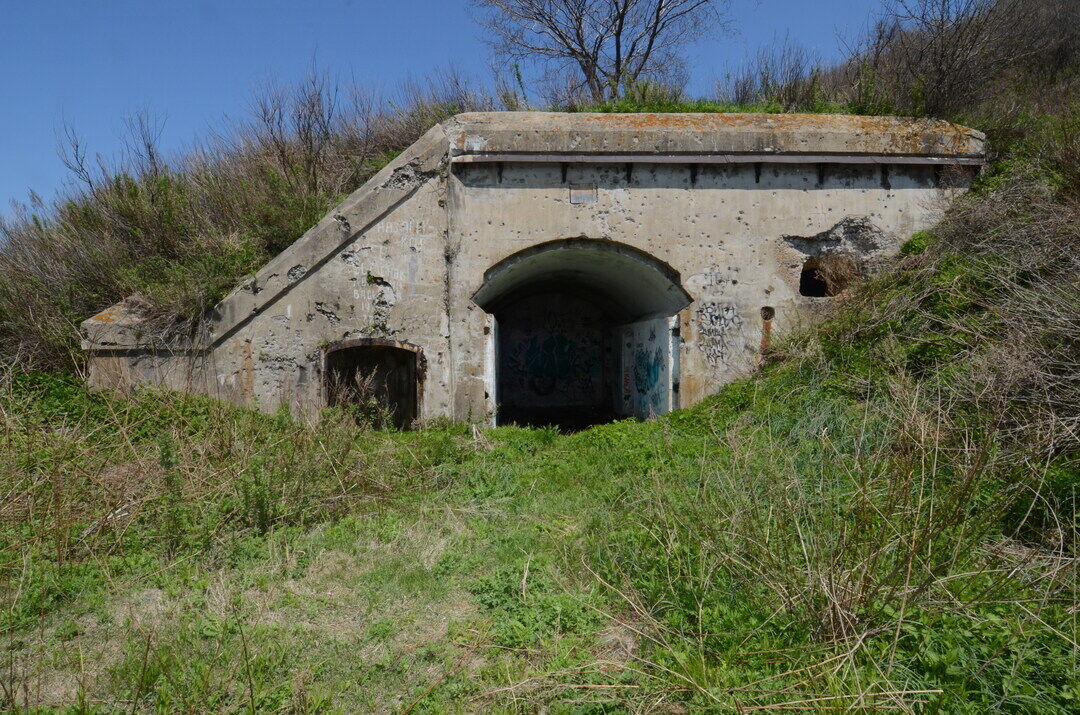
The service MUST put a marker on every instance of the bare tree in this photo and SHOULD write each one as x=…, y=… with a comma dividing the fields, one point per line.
x=607, y=44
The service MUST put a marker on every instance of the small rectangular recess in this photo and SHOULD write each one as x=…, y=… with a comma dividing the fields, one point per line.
x=582, y=194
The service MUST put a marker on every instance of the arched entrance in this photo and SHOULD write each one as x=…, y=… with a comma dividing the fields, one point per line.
x=378, y=378
x=583, y=333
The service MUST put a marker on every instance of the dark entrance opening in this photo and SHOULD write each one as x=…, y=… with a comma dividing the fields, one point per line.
x=379, y=382
x=811, y=281
x=582, y=333
x=828, y=276
x=556, y=359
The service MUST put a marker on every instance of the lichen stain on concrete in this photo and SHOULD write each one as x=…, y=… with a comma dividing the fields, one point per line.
x=110, y=315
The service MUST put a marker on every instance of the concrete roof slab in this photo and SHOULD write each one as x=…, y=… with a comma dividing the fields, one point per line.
x=481, y=133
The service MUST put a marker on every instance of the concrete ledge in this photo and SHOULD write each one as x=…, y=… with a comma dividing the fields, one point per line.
x=892, y=159
x=479, y=134
x=115, y=328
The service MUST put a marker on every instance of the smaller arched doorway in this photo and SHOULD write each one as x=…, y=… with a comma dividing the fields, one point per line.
x=380, y=379
x=583, y=333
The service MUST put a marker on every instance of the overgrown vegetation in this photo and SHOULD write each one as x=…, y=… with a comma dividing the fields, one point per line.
x=876, y=520
x=182, y=233
x=883, y=518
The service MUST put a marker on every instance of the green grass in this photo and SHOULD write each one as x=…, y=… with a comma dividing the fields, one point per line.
x=871, y=521
x=820, y=535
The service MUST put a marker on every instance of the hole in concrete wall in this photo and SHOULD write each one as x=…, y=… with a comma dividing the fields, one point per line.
x=583, y=333
x=828, y=276
x=377, y=383
x=811, y=281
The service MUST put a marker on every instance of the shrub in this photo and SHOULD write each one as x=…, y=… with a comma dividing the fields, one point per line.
x=183, y=233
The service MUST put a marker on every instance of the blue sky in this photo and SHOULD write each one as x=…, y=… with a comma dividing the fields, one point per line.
x=193, y=64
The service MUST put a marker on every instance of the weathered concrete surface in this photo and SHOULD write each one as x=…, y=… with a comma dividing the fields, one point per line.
x=628, y=257
x=680, y=134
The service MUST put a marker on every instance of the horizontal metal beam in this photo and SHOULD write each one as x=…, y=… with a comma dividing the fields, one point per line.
x=527, y=158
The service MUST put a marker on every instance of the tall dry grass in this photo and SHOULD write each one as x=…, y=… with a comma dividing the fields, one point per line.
x=181, y=232
x=978, y=61
x=886, y=518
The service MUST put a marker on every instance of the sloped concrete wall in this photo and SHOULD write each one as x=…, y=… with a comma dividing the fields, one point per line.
x=375, y=266
x=389, y=282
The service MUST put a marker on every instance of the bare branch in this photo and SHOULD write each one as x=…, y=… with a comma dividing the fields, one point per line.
x=613, y=44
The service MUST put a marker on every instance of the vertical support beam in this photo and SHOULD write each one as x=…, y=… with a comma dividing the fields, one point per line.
x=491, y=368
x=674, y=356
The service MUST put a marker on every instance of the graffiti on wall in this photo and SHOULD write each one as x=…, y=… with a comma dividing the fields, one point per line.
x=551, y=353
x=646, y=368
x=718, y=326
x=546, y=363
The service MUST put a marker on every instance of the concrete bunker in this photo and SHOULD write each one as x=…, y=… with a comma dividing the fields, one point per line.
x=583, y=333
x=379, y=380
x=469, y=251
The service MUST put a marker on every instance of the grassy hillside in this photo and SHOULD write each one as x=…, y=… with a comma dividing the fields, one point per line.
x=884, y=517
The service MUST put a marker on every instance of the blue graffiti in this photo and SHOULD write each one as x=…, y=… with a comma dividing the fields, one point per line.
x=647, y=370
x=544, y=363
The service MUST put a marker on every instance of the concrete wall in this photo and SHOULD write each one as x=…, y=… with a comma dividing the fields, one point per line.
x=737, y=238
x=387, y=283
x=648, y=355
